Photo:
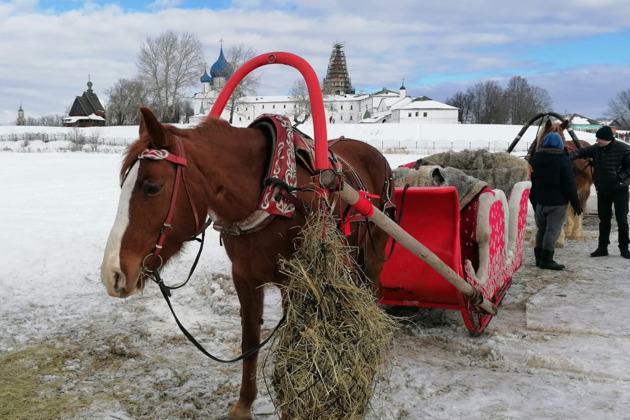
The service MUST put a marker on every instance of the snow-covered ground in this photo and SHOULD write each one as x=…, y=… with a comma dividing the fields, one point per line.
x=409, y=138
x=558, y=348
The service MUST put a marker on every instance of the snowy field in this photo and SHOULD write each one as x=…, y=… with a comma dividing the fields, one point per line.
x=398, y=138
x=558, y=348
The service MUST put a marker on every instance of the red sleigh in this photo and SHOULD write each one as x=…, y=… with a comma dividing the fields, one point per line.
x=483, y=244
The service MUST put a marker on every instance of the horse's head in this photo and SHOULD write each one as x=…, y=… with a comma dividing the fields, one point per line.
x=155, y=213
x=551, y=127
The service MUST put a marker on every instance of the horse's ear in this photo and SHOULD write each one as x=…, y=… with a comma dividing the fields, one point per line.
x=548, y=124
x=149, y=125
x=564, y=124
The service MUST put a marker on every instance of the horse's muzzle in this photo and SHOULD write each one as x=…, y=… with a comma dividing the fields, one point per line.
x=116, y=284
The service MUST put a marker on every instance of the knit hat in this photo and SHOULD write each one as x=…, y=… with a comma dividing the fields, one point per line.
x=553, y=140
x=605, y=133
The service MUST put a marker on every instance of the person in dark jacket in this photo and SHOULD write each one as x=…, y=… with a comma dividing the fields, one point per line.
x=553, y=186
x=611, y=176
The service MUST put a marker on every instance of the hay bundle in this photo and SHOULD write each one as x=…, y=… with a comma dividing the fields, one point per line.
x=335, y=337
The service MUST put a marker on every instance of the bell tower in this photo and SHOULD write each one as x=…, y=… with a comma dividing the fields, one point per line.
x=21, y=120
x=337, y=81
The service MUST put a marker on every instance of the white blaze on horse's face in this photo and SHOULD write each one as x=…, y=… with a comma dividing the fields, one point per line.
x=112, y=274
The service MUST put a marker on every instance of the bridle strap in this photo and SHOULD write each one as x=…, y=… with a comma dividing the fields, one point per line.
x=167, y=226
x=180, y=163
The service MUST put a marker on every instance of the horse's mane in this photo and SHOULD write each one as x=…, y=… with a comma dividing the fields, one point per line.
x=555, y=127
x=216, y=125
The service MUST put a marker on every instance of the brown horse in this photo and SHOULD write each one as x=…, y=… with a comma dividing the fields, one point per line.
x=582, y=173
x=220, y=171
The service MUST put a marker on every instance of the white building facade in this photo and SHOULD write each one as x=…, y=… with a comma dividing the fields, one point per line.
x=385, y=106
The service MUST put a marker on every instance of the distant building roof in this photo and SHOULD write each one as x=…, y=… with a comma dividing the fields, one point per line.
x=92, y=117
x=426, y=103
x=87, y=104
x=205, y=78
x=385, y=91
x=221, y=68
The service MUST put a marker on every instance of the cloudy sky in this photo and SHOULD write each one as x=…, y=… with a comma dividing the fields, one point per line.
x=575, y=49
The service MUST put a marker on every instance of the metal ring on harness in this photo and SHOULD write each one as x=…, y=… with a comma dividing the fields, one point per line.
x=151, y=254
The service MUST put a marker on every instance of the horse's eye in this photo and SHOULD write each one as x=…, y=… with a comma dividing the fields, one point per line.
x=151, y=189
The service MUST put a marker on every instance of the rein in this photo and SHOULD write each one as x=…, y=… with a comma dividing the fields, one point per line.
x=180, y=163
x=166, y=292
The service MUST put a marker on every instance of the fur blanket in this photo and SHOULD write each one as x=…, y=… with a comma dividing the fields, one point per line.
x=467, y=186
x=499, y=170
x=469, y=171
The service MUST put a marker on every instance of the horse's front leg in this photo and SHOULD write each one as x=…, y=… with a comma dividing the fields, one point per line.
x=570, y=224
x=372, y=255
x=579, y=229
x=251, y=299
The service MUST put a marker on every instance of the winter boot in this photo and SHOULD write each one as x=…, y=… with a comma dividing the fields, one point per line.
x=624, y=252
x=601, y=251
x=547, y=261
x=538, y=255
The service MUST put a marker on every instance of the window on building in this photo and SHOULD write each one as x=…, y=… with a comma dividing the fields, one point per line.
x=342, y=107
x=284, y=106
x=350, y=117
x=417, y=114
x=263, y=107
x=274, y=107
x=351, y=107
x=409, y=114
x=425, y=114
x=341, y=118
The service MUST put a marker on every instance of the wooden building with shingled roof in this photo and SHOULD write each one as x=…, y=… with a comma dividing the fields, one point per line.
x=86, y=111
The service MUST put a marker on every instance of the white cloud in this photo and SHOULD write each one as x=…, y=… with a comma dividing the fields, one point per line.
x=47, y=57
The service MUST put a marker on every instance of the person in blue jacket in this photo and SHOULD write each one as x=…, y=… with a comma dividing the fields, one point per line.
x=611, y=176
x=553, y=187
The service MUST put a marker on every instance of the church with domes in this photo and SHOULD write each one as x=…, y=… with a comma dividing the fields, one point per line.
x=341, y=104
x=211, y=85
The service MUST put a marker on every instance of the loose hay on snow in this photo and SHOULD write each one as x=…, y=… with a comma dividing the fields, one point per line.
x=31, y=380
x=335, y=337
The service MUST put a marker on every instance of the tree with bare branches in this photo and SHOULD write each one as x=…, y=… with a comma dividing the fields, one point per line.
x=488, y=104
x=524, y=100
x=464, y=102
x=238, y=55
x=619, y=109
x=301, y=110
x=125, y=98
x=168, y=64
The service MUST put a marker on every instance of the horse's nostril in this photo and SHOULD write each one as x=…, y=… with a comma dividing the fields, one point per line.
x=117, y=277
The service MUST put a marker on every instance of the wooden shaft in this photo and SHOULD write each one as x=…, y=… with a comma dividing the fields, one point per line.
x=351, y=196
